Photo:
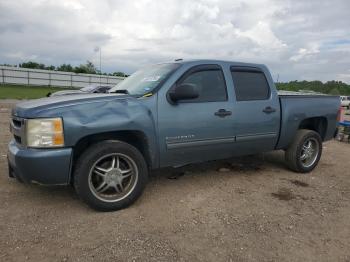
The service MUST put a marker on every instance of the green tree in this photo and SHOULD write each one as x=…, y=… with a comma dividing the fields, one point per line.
x=119, y=74
x=88, y=68
x=30, y=64
x=35, y=65
x=330, y=87
x=8, y=65
x=334, y=91
x=65, y=68
x=51, y=67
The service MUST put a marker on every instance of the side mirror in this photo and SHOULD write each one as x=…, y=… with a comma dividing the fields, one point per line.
x=183, y=92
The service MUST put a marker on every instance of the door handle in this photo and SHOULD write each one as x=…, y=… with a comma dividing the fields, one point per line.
x=223, y=113
x=269, y=110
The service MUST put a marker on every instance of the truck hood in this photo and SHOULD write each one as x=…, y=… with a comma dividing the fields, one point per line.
x=36, y=107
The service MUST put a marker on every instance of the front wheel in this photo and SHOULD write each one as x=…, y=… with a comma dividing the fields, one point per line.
x=305, y=151
x=110, y=175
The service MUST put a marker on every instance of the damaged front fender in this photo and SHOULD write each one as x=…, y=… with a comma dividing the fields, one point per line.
x=121, y=113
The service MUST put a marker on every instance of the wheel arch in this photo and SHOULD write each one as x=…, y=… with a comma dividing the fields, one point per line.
x=317, y=124
x=136, y=138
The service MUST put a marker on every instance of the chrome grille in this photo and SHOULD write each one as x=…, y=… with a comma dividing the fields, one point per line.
x=17, y=122
x=17, y=126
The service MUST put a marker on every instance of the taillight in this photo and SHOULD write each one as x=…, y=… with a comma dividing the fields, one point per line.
x=341, y=115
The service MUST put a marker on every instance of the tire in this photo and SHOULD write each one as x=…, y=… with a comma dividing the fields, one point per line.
x=100, y=182
x=296, y=153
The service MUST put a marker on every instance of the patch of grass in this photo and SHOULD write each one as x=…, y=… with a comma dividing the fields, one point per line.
x=26, y=92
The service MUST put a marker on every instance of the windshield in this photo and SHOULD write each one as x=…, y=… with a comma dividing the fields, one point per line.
x=146, y=79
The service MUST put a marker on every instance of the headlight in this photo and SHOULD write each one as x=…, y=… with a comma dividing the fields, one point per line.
x=45, y=132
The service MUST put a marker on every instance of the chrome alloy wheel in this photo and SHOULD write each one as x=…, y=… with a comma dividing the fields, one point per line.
x=309, y=152
x=113, y=177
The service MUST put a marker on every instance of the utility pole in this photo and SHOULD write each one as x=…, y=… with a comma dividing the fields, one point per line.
x=96, y=49
x=100, y=65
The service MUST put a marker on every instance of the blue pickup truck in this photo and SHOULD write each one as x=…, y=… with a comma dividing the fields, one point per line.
x=168, y=114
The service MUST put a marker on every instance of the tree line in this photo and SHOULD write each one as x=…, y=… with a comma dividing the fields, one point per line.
x=329, y=87
x=87, y=68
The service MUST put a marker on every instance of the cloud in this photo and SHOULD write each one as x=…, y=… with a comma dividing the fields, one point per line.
x=312, y=49
x=296, y=39
x=262, y=34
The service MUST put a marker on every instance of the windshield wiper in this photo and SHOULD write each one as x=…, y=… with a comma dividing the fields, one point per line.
x=121, y=91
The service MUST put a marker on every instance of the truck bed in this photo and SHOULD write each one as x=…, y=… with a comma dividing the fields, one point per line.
x=299, y=93
x=297, y=106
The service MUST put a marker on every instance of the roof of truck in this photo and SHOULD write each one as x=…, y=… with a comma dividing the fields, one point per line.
x=206, y=61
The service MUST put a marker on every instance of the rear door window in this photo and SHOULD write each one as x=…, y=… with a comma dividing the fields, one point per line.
x=250, y=85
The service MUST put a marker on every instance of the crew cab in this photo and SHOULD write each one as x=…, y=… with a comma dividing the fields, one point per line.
x=168, y=114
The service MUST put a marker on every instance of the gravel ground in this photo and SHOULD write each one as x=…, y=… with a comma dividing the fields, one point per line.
x=247, y=209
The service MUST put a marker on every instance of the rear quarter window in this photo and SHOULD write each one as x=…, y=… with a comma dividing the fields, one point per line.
x=250, y=85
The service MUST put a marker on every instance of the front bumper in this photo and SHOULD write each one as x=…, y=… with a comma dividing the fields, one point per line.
x=43, y=166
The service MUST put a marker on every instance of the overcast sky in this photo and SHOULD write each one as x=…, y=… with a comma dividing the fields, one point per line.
x=296, y=39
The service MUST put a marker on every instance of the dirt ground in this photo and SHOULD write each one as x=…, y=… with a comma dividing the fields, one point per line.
x=247, y=209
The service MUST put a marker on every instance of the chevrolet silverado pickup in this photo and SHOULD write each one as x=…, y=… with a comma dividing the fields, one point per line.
x=164, y=115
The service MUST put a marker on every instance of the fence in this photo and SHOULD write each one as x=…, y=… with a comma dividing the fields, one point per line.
x=25, y=76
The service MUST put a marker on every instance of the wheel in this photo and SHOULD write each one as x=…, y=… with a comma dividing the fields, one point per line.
x=305, y=151
x=110, y=175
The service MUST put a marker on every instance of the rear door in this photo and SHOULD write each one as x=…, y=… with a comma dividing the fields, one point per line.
x=256, y=111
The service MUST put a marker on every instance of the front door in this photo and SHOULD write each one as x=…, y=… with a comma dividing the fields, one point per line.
x=199, y=129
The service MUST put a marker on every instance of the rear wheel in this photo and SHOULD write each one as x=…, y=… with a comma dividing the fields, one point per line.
x=110, y=175
x=305, y=151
